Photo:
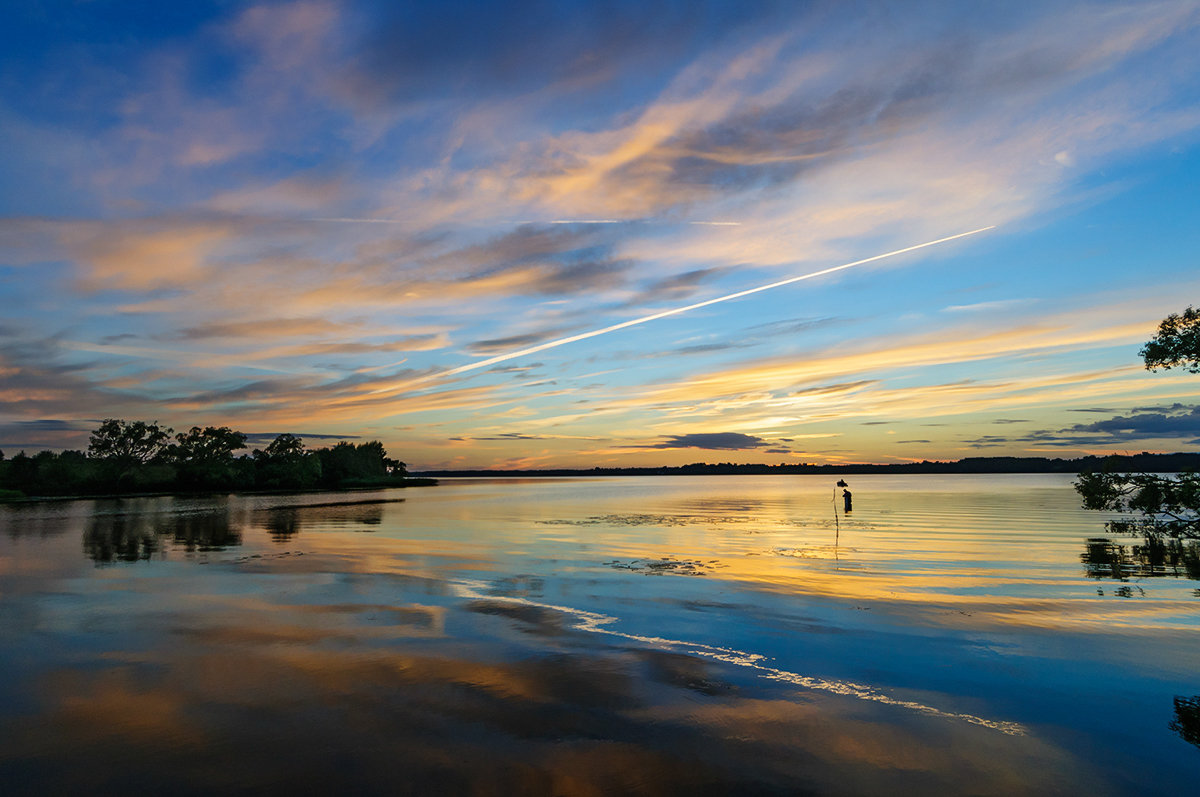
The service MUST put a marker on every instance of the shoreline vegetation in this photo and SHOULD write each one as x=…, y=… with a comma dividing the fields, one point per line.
x=126, y=459
x=137, y=458
x=1141, y=463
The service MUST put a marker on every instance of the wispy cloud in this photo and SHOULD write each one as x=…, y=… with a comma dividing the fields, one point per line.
x=1178, y=421
x=362, y=197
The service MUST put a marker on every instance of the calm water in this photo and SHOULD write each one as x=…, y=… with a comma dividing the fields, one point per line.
x=953, y=634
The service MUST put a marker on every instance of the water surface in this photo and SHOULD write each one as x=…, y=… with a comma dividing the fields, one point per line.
x=659, y=635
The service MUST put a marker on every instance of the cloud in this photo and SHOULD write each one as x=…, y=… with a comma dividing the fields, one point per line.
x=406, y=343
x=1069, y=331
x=791, y=326
x=259, y=328
x=197, y=163
x=468, y=51
x=571, y=278
x=989, y=441
x=501, y=345
x=40, y=380
x=706, y=348
x=676, y=287
x=713, y=441
x=265, y=438
x=521, y=370
x=1175, y=422
x=144, y=255
x=45, y=433
x=119, y=338
x=979, y=307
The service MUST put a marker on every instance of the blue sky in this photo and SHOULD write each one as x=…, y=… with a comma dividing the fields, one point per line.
x=308, y=217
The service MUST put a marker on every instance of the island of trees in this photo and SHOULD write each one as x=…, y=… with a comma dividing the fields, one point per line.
x=125, y=457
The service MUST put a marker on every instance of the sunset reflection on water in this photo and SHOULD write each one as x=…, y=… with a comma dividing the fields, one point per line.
x=622, y=635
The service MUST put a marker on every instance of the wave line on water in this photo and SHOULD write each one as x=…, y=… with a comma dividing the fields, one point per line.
x=595, y=623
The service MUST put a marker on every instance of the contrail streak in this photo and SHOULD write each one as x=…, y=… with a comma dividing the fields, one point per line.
x=462, y=369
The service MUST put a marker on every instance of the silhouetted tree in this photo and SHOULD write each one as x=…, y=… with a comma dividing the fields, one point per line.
x=133, y=454
x=348, y=464
x=1155, y=504
x=204, y=457
x=125, y=456
x=285, y=464
x=1177, y=343
x=7, y=492
x=211, y=443
x=22, y=473
x=67, y=473
x=127, y=442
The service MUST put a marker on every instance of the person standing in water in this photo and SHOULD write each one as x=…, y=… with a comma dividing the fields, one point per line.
x=846, y=502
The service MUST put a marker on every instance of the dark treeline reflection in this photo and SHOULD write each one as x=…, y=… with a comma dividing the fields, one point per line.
x=1187, y=719
x=139, y=536
x=16, y=525
x=1155, y=556
x=131, y=537
x=284, y=522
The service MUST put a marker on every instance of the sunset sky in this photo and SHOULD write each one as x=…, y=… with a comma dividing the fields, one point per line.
x=293, y=216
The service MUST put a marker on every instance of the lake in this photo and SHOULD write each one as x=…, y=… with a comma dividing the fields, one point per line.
x=626, y=635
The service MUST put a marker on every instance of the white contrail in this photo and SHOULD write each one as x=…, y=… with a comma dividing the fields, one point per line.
x=676, y=311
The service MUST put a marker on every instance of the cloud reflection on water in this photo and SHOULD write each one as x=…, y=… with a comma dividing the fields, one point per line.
x=449, y=648
x=282, y=714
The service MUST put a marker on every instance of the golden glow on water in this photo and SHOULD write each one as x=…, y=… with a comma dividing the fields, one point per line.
x=1006, y=549
x=663, y=635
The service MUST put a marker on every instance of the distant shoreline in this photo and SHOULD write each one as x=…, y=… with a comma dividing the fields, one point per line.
x=411, y=481
x=1144, y=463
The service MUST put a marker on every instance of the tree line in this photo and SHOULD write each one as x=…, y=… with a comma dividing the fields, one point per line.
x=1150, y=463
x=136, y=457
